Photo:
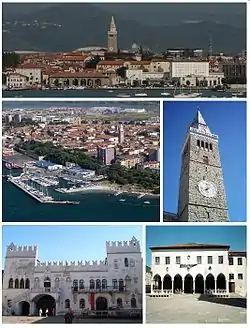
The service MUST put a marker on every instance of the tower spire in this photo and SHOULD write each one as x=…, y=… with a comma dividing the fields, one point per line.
x=112, y=27
x=199, y=124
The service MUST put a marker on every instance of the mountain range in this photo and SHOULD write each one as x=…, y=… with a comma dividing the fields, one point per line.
x=158, y=26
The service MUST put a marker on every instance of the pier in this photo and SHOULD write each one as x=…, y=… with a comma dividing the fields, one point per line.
x=41, y=200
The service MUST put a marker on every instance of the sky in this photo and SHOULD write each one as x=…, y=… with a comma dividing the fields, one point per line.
x=227, y=119
x=72, y=243
x=233, y=236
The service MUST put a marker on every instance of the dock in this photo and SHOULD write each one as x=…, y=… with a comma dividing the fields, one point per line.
x=41, y=200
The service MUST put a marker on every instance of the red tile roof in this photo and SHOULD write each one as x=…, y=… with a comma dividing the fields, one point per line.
x=77, y=75
x=190, y=246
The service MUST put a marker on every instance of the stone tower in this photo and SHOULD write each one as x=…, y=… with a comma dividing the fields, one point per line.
x=112, y=36
x=202, y=195
x=121, y=134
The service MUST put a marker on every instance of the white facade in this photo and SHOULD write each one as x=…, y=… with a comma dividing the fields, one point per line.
x=140, y=76
x=16, y=80
x=194, y=268
x=34, y=75
x=30, y=285
x=180, y=69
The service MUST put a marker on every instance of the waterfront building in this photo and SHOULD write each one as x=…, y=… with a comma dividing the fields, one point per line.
x=112, y=37
x=78, y=79
x=199, y=269
x=235, y=71
x=30, y=285
x=106, y=154
x=32, y=72
x=202, y=195
x=129, y=161
x=17, y=118
x=16, y=80
x=182, y=68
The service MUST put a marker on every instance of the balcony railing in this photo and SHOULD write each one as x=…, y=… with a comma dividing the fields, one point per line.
x=45, y=290
x=76, y=289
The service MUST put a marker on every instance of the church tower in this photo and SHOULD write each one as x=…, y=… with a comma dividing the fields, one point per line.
x=202, y=195
x=121, y=134
x=112, y=36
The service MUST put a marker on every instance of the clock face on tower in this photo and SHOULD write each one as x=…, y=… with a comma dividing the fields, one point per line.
x=207, y=188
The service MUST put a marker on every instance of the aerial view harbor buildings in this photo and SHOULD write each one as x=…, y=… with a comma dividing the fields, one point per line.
x=75, y=152
x=109, y=70
x=103, y=290
x=208, y=191
x=202, y=277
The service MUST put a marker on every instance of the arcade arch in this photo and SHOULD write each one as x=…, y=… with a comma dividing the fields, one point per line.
x=199, y=284
x=177, y=283
x=45, y=302
x=221, y=281
x=101, y=304
x=24, y=308
x=188, y=284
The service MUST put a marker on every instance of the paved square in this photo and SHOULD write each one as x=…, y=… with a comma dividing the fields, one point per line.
x=194, y=309
x=60, y=319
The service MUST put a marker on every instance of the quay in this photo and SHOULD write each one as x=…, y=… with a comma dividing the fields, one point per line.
x=40, y=200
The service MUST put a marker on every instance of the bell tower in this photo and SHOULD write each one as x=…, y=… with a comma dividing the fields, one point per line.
x=202, y=195
x=112, y=36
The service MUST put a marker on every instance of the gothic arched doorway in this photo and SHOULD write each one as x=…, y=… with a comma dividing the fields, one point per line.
x=24, y=308
x=167, y=282
x=199, y=284
x=157, y=282
x=188, y=284
x=221, y=281
x=210, y=282
x=101, y=304
x=45, y=302
x=177, y=283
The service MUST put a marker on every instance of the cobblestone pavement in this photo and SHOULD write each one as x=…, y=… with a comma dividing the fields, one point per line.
x=60, y=319
x=195, y=309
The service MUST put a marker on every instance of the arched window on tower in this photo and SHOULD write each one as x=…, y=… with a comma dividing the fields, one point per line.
x=11, y=283
x=81, y=284
x=16, y=283
x=22, y=283
x=98, y=284
x=114, y=284
x=206, y=145
x=67, y=303
x=75, y=285
x=211, y=147
x=36, y=283
x=202, y=144
x=104, y=284
x=82, y=303
x=57, y=282
x=126, y=262
x=27, y=284
x=47, y=284
x=92, y=284
x=198, y=143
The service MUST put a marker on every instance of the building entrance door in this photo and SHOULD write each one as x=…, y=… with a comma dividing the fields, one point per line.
x=231, y=287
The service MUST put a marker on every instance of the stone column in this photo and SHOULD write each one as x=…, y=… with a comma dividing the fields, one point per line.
x=215, y=284
x=152, y=287
x=183, y=280
x=193, y=286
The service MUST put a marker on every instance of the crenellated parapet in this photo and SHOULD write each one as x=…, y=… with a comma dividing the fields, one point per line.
x=132, y=246
x=16, y=251
x=71, y=266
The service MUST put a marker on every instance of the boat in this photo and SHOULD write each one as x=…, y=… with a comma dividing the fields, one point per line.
x=141, y=94
x=122, y=200
x=11, y=166
x=146, y=202
x=123, y=95
x=166, y=94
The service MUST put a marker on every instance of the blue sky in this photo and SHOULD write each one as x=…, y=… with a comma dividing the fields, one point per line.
x=224, y=118
x=68, y=242
x=234, y=236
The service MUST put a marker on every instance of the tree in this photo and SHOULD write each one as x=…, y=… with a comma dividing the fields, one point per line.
x=121, y=71
x=10, y=60
x=92, y=63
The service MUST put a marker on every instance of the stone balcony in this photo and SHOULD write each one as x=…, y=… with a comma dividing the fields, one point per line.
x=107, y=289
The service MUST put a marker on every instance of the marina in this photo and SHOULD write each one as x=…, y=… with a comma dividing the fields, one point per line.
x=38, y=196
